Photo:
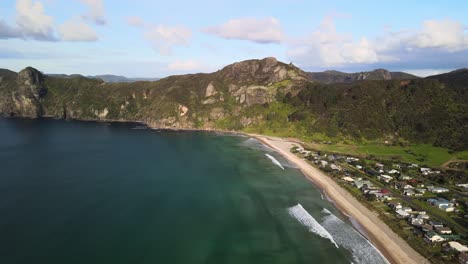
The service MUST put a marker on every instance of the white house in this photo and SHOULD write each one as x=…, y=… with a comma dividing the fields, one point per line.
x=348, y=179
x=323, y=163
x=385, y=178
x=402, y=213
x=335, y=167
x=434, y=189
x=457, y=246
x=433, y=237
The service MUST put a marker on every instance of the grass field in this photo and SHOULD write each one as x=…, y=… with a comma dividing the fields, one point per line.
x=421, y=154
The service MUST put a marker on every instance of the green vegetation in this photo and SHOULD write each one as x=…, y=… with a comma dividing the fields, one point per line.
x=420, y=153
x=420, y=120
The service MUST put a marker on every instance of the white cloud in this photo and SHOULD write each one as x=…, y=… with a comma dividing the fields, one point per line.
x=32, y=22
x=164, y=38
x=266, y=30
x=326, y=47
x=446, y=34
x=437, y=40
x=135, y=21
x=76, y=31
x=96, y=11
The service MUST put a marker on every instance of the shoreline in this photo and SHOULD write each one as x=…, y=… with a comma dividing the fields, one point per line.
x=392, y=246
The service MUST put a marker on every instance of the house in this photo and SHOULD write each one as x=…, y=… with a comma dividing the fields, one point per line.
x=457, y=246
x=359, y=167
x=421, y=190
x=348, y=179
x=404, y=178
x=423, y=170
x=335, y=167
x=385, y=178
x=407, y=209
x=426, y=227
x=407, y=186
x=379, y=166
x=433, y=237
x=323, y=163
x=435, y=224
x=393, y=171
x=416, y=221
x=443, y=230
x=360, y=183
x=408, y=192
x=400, y=184
x=463, y=185
x=414, y=165
x=402, y=213
x=434, y=189
x=442, y=204
x=394, y=205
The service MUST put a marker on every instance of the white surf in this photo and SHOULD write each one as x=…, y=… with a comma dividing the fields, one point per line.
x=307, y=220
x=275, y=161
x=362, y=250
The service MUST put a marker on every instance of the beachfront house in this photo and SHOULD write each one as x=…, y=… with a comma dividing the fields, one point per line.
x=335, y=167
x=348, y=179
x=400, y=213
x=457, y=246
x=442, y=204
x=360, y=183
x=433, y=237
x=434, y=189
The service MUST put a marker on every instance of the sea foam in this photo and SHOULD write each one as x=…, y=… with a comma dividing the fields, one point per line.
x=275, y=161
x=363, y=252
x=307, y=220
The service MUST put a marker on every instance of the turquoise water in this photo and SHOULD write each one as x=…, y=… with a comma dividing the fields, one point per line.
x=76, y=192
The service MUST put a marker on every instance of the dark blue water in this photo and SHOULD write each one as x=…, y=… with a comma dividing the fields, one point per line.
x=75, y=192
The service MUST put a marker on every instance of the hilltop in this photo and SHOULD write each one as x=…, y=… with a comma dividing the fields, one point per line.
x=343, y=77
x=264, y=96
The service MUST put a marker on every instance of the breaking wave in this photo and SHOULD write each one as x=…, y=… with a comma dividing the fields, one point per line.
x=363, y=252
x=307, y=220
x=275, y=161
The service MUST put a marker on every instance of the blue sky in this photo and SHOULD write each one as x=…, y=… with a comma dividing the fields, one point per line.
x=158, y=38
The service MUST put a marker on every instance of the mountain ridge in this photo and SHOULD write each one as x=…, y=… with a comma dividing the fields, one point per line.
x=265, y=96
x=333, y=76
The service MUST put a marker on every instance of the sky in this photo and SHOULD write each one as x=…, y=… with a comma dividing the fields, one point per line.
x=148, y=38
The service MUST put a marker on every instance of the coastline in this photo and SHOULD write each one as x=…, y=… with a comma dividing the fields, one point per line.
x=393, y=247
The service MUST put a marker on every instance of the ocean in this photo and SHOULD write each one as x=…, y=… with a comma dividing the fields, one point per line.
x=87, y=192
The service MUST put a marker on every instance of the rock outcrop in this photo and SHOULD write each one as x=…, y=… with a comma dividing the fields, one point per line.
x=26, y=98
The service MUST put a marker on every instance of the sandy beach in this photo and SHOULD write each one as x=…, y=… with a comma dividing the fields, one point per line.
x=394, y=248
